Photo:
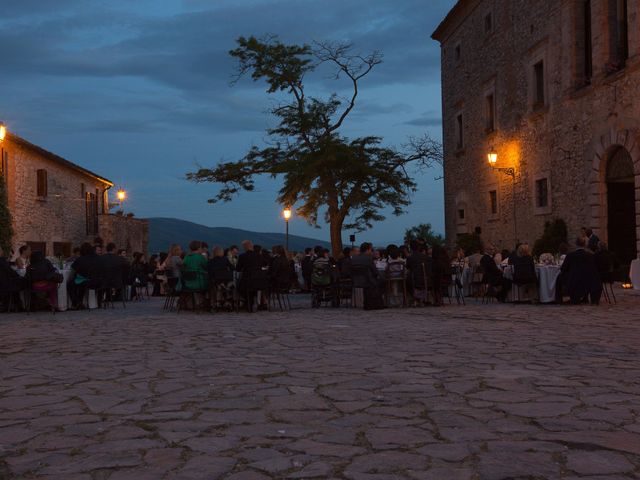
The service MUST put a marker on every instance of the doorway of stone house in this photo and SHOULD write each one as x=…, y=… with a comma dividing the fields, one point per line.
x=621, y=205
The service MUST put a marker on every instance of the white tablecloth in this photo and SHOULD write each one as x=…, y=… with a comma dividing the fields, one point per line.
x=634, y=274
x=547, y=278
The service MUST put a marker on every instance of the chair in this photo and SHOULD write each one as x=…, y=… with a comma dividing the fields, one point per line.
x=359, y=281
x=280, y=293
x=171, y=293
x=457, y=284
x=478, y=285
x=524, y=275
x=256, y=284
x=607, y=286
x=419, y=284
x=345, y=292
x=323, y=286
x=196, y=277
x=396, y=283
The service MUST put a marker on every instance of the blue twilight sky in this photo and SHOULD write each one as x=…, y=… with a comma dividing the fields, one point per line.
x=139, y=92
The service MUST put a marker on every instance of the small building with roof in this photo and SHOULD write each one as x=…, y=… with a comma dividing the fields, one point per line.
x=56, y=204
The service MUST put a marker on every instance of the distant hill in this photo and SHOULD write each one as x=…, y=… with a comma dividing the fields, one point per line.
x=165, y=231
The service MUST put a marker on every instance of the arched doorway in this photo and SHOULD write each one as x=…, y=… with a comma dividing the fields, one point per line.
x=621, y=205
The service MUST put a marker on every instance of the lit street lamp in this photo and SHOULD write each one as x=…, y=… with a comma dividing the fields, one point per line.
x=3, y=131
x=492, y=158
x=286, y=213
x=122, y=195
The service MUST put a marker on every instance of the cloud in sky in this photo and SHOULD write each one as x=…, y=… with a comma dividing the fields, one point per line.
x=139, y=91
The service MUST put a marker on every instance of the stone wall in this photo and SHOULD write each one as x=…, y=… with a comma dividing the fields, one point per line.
x=129, y=233
x=566, y=140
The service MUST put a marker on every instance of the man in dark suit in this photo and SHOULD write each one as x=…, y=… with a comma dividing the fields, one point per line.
x=250, y=266
x=365, y=275
x=114, y=268
x=580, y=275
x=493, y=276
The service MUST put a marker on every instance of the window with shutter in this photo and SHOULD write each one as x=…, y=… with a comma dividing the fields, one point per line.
x=41, y=183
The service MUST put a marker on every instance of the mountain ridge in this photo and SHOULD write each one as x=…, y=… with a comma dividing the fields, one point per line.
x=165, y=231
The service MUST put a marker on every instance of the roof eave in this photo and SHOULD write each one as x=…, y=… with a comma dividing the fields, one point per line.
x=56, y=158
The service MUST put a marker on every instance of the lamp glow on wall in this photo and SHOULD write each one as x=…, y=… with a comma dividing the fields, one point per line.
x=3, y=131
x=492, y=158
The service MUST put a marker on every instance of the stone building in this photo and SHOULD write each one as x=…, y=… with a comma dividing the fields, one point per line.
x=56, y=204
x=552, y=87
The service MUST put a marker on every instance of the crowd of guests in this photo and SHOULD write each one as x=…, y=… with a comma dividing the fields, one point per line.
x=102, y=268
x=583, y=270
x=428, y=271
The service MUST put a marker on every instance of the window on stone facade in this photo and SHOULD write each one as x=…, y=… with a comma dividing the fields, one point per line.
x=82, y=191
x=91, y=211
x=538, y=84
x=461, y=214
x=459, y=132
x=488, y=23
x=38, y=247
x=42, y=182
x=585, y=41
x=542, y=193
x=619, y=33
x=457, y=52
x=490, y=108
x=62, y=249
x=493, y=202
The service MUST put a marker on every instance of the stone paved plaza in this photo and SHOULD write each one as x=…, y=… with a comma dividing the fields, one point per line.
x=475, y=392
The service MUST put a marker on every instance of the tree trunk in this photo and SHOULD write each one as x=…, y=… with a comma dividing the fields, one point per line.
x=335, y=227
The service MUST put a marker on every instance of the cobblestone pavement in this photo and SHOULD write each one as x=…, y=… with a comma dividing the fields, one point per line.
x=475, y=392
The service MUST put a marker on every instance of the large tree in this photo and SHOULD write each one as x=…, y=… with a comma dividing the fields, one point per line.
x=349, y=182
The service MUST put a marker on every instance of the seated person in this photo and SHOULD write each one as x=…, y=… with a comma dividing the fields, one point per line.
x=280, y=269
x=86, y=275
x=22, y=260
x=440, y=273
x=580, y=275
x=194, y=262
x=220, y=272
x=114, y=269
x=493, y=276
x=419, y=265
x=10, y=282
x=44, y=277
x=524, y=269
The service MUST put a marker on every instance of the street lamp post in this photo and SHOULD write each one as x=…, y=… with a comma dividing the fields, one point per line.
x=492, y=157
x=286, y=213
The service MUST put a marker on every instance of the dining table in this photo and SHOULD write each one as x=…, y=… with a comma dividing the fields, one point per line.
x=547, y=279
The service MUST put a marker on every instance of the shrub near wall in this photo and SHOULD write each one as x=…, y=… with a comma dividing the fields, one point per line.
x=555, y=233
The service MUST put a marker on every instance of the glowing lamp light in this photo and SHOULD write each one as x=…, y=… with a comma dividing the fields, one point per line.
x=627, y=286
x=3, y=131
x=492, y=157
x=122, y=195
x=286, y=213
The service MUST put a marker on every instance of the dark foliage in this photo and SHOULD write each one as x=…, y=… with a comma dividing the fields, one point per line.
x=348, y=182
